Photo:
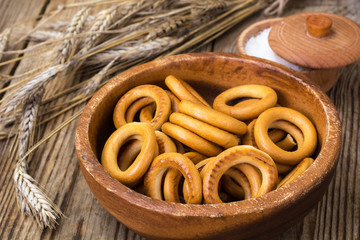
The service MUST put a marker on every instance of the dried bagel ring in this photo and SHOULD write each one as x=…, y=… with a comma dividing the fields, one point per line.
x=253, y=176
x=247, y=110
x=147, y=113
x=236, y=184
x=136, y=107
x=287, y=143
x=174, y=101
x=248, y=138
x=164, y=142
x=201, y=167
x=213, y=117
x=183, y=91
x=291, y=129
x=128, y=152
x=216, y=168
x=299, y=169
x=160, y=97
x=283, y=168
x=165, y=161
x=173, y=177
x=190, y=139
x=205, y=130
x=137, y=169
x=195, y=157
x=279, y=155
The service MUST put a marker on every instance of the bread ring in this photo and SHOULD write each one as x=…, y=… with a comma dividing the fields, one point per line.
x=183, y=91
x=295, y=133
x=173, y=177
x=179, y=147
x=137, y=169
x=299, y=169
x=253, y=176
x=164, y=142
x=128, y=152
x=190, y=139
x=174, y=101
x=287, y=143
x=171, y=185
x=208, y=132
x=236, y=184
x=195, y=157
x=232, y=157
x=147, y=113
x=153, y=178
x=167, y=145
x=213, y=117
x=276, y=135
x=135, y=107
x=160, y=97
x=283, y=168
x=247, y=110
x=279, y=155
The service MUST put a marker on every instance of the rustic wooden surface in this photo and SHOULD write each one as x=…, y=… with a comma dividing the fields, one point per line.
x=55, y=165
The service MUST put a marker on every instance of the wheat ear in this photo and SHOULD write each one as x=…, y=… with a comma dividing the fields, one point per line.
x=4, y=38
x=17, y=96
x=146, y=50
x=68, y=46
x=30, y=197
x=103, y=21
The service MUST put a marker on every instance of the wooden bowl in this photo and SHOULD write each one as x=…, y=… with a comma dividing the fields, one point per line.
x=325, y=77
x=209, y=74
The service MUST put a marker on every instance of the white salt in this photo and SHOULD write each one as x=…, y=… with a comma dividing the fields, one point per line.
x=258, y=46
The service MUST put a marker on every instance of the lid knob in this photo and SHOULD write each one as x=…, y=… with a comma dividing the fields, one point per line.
x=318, y=25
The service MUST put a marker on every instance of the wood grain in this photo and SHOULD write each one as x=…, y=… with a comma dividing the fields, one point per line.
x=55, y=165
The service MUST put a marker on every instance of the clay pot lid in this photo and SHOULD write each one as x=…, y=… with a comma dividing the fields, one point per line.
x=316, y=40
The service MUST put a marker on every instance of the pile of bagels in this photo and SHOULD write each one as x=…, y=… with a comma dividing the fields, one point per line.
x=170, y=144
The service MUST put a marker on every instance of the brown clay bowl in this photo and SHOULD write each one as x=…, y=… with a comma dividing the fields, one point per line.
x=209, y=74
x=325, y=77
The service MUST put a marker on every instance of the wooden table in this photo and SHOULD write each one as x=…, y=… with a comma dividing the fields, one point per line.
x=55, y=165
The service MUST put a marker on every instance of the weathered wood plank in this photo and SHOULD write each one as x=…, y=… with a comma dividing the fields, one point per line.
x=13, y=12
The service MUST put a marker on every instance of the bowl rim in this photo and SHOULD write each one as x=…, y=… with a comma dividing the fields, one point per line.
x=272, y=200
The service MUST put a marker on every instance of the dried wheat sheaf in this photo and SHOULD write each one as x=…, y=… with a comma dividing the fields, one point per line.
x=81, y=53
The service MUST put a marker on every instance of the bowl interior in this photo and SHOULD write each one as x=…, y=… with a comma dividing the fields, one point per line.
x=210, y=74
